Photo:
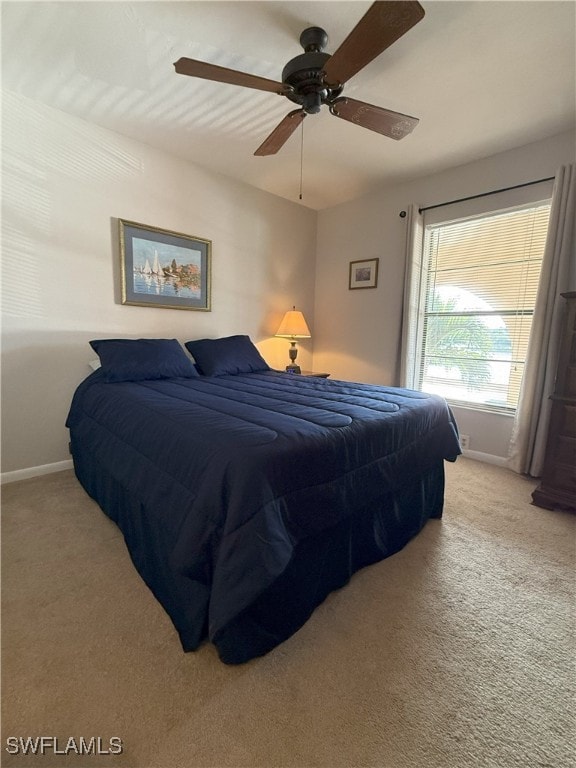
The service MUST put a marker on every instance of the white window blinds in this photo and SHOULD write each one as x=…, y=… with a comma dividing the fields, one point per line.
x=481, y=279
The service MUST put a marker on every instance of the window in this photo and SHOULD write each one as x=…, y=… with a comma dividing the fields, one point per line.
x=478, y=289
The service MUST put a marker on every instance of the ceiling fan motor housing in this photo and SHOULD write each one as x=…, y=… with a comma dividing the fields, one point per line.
x=304, y=73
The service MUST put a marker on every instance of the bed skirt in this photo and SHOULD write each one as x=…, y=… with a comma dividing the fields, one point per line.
x=319, y=564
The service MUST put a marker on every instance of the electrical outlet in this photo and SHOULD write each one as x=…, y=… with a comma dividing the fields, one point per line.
x=465, y=442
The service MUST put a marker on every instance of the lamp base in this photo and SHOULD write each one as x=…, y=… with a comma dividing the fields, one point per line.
x=293, y=369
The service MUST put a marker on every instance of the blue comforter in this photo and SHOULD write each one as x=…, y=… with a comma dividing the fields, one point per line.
x=217, y=481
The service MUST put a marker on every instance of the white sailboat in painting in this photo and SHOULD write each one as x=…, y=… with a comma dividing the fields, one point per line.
x=156, y=268
x=150, y=278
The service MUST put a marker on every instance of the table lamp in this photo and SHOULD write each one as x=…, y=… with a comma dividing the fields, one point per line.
x=293, y=326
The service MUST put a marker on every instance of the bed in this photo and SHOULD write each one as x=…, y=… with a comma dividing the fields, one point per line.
x=246, y=495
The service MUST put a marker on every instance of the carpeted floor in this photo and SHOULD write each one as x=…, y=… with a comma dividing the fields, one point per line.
x=458, y=652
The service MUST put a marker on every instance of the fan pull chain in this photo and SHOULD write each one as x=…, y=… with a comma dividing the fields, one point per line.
x=301, y=157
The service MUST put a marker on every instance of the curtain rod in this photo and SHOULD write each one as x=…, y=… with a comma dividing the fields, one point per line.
x=485, y=194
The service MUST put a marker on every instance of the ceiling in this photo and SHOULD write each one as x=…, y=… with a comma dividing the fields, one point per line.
x=483, y=77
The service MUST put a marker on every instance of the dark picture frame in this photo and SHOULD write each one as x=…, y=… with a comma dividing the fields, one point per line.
x=161, y=268
x=363, y=274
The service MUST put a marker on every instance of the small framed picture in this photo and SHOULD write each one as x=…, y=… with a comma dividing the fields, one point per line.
x=363, y=274
x=164, y=269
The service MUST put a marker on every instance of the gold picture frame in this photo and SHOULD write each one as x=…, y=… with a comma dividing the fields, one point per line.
x=161, y=268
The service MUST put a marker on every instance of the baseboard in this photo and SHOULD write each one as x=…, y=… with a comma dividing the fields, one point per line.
x=26, y=474
x=487, y=458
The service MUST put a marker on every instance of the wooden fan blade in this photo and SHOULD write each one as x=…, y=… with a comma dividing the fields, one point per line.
x=392, y=124
x=281, y=133
x=206, y=71
x=383, y=24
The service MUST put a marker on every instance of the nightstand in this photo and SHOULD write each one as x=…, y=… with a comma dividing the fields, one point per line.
x=312, y=373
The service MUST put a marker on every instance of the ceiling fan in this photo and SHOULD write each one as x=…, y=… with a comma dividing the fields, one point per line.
x=315, y=78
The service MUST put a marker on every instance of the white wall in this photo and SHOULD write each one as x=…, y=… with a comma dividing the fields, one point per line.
x=65, y=182
x=357, y=332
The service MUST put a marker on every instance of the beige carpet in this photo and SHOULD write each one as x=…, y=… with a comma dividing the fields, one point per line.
x=457, y=652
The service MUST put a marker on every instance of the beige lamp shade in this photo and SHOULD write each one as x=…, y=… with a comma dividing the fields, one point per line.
x=293, y=326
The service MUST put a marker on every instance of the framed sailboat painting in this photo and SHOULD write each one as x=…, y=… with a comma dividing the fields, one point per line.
x=160, y=268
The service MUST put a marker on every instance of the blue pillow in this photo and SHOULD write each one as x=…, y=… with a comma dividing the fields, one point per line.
x=231, y=354
x=139, y=359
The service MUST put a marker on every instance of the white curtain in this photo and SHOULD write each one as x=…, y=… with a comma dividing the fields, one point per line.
x=413, y=308
x=558, y=276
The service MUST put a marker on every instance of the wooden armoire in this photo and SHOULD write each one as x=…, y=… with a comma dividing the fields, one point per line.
x=557, y=489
